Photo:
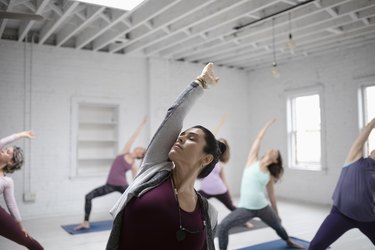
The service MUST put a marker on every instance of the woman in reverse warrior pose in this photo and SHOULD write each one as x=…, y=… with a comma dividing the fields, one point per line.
x=161, y=205
x=116, y=181
x=11, y=159
x=259, y=175
x=353, y=198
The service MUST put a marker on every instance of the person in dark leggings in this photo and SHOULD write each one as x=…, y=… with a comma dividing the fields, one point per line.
x=215, y=184
x=259, y=175
x=116, y=181
x=353, y=198
x=11, y=159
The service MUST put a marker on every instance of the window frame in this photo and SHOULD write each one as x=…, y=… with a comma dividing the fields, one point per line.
x=363, y=110
x=291, y=95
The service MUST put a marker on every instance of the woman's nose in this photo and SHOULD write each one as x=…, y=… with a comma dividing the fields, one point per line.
x=180, y=139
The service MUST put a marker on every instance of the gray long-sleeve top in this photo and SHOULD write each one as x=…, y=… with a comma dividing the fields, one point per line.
x=156, y=166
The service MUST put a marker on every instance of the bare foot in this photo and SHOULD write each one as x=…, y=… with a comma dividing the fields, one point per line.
x=208, y=76
x=249, y=225
x=294, y=245
x=83, y=225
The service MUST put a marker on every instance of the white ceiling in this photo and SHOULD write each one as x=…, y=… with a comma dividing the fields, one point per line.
x=198, y=30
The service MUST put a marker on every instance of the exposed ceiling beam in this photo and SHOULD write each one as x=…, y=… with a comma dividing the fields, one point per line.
x=136, y=20
x=51, y=26
x=304, y=45
x=3, y=22
x=205, y=24
x=307, y=13
x=175, y=14
x=26, y=25
x=67, y=32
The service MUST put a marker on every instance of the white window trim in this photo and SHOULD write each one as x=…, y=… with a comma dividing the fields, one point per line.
x=75, y=102
x=364, y=83
x=298, y=92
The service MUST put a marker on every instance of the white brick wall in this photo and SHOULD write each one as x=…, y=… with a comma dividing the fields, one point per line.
x=146, y=87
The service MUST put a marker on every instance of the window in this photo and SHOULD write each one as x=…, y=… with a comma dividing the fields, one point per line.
x=95, y=133
x=304, y=132
x=368, y=110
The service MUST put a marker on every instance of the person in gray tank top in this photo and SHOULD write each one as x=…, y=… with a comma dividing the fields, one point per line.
x=353, y=198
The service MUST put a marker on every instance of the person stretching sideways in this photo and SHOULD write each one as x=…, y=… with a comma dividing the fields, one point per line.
x=259, y=175
x=353, y=198
x=116, y=181
x=11, y=159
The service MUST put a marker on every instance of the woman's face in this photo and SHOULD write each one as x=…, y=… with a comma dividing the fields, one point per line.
x=273, y=154
x=6, y=155
x=188, y=148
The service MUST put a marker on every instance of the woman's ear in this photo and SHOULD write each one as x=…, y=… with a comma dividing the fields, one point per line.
x=207, y=159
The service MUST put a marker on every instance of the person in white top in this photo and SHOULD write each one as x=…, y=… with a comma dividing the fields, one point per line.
x=11, y=159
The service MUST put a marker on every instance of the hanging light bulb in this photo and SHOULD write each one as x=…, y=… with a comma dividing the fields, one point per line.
x=275, y=70
x=291, y=43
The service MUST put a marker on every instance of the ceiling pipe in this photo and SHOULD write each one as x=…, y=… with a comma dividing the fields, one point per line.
x=272, y=15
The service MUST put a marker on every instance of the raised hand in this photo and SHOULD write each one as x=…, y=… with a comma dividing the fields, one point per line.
x=207, y=77
x=28, y=134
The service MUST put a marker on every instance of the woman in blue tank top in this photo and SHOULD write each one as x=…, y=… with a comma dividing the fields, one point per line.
x=353, y=198
x=259, y=175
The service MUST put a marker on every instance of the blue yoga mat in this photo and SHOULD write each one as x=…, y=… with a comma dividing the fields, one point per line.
x=275, y=245
x=94, y=227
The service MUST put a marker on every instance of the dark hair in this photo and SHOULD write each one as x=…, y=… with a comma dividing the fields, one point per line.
x=276, y=169
x=224, y=150
x=210, y=148
x=17, y=161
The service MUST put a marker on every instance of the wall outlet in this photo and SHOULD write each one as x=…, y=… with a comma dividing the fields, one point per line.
x=29, y=197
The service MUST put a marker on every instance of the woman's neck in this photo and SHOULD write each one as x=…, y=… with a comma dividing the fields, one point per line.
x=183, y=182
x=2, y=172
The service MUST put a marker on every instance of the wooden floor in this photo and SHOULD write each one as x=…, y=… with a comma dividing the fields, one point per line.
x=300, y=220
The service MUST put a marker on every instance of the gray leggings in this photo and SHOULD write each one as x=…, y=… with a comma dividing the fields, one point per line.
x=242, y=215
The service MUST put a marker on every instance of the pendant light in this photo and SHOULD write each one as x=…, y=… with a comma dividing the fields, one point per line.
x=291, y=43
x=275, y=70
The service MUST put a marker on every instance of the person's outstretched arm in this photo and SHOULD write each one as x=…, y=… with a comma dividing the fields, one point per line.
x=133, y=137
x=356, y=150
x=11, y=138
x=272, y=196
x=170, y=128
x=254, y=150
x=216, y=130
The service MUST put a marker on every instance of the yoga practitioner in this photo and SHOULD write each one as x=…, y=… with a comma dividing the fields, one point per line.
x=215, y=184
x=11, y=159
x=259, y=175
x=161, y=209
x=353, y=198
x=116, y=181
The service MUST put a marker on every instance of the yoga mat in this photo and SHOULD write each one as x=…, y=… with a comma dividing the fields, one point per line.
x=258, y=224
x=275, y=245
x=95, y=226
